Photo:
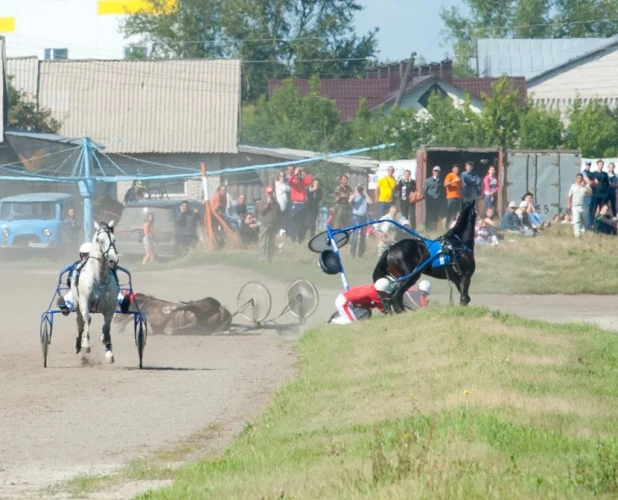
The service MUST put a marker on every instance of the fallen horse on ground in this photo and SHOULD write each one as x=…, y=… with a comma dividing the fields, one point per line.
x=200, y=317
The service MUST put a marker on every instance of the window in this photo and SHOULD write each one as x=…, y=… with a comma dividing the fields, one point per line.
x=24, y=211
x=52, y=54
x=424, y=99
x=135, y=52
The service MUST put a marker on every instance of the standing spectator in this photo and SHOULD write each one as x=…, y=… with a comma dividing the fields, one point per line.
x=360, y=203
x=385, y=191
x=149, y=241
x=452, y=184
x=588, y=179
x=299, y=182
x=186, y=224
x=269, y=212
x=343, y=210
x=314, y=197
x=490, y=188
x=471, y=184
x=432, y=191
x=406, y=186
x=282, y=192
x=240, y=208
x=71, y=229
x=576, y=204
x=600, y=188
x=613, y=184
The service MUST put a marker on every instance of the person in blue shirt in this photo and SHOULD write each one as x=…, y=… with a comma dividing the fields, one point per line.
x=360, y=202
x=471, y=184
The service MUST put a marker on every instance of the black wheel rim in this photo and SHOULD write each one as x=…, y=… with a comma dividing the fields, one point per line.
x=321, y=242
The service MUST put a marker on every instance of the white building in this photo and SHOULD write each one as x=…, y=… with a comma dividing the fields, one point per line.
x=66, y=29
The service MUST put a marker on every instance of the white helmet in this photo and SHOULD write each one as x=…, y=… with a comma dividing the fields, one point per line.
x=384, y=285
x=425, y=286
x=85, y=248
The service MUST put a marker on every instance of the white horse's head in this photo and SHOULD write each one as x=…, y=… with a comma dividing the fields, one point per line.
x=104, y=243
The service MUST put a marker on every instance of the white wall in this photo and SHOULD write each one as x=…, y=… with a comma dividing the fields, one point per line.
x=71, y=24
x=593, y=79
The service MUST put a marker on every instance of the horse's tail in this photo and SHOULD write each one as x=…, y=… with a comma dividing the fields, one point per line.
x=381, y=268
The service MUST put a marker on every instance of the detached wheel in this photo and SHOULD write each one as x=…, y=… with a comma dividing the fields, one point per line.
x=140, y=341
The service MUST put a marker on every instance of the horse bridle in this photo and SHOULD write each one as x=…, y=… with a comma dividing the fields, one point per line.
x=105, y=254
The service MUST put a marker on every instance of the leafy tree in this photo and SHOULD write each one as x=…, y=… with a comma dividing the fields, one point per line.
x=25, y=114
x=499, y=121
x=593, y=129
x=274, y=38
x=446, y=124
x=289, y=119
x=540, y=128
x=525, y=19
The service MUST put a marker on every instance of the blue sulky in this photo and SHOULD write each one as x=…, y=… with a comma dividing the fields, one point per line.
x=140, y=323
x=436, y=255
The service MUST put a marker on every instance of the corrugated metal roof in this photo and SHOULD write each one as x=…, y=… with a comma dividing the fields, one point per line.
x=530, y=57
x=162, y=106
x=25, y=73
x=299, y=154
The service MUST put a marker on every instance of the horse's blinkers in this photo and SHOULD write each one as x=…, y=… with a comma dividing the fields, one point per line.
x=329, y=262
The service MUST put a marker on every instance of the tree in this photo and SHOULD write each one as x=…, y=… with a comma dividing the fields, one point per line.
x=540, y=128
x=25, y=114
x=446, y=124
x=593, y=129
x=291, y=120
x=274, y=38
x=525, y=19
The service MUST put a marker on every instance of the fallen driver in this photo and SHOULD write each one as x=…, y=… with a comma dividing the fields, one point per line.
x=377, y=296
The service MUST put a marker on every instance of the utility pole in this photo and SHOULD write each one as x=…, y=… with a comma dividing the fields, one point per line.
x=404, y=80
x=86, y=188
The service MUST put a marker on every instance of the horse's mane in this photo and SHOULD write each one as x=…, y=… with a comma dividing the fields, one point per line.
x=464, y=227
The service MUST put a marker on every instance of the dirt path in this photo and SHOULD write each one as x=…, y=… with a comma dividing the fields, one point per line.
x=74, y=418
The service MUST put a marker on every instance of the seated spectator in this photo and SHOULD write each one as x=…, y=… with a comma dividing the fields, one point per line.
x=604, y=223
x=493, y=225
x=522, y=213
x=249, y=230
x=219, y=203
x=566, y=218
x=240, y=206
x=385, y=231
x=512, y=223
x=482, y=234
x=535, y=218
x=401, y=234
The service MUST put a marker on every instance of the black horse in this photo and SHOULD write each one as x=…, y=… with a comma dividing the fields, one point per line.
x=405, y=257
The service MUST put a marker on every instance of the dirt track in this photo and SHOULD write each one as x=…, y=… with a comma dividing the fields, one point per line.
x=74, y=418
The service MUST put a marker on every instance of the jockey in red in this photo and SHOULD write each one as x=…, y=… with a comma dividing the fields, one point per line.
x=365, y=296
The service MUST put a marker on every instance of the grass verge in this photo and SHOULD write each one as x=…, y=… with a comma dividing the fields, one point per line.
x=554, y=262
x=463, y=403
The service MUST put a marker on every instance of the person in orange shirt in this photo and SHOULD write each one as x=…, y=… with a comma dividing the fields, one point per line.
x=452, y=184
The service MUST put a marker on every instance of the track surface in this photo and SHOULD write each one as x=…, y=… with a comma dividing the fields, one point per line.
x=80, y=417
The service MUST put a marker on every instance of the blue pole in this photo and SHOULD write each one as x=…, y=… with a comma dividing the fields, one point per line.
x=87, y=190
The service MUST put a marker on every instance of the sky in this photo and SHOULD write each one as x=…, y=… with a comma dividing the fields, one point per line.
x=406, y=26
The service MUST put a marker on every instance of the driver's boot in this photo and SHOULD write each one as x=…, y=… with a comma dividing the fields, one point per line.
x=62, y=305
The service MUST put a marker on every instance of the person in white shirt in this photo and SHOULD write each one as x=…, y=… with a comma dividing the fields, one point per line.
x=576, y=202
x=386, y=230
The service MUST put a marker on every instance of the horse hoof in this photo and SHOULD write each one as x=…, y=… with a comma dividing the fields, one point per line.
x=109, y=356
x=86, y=349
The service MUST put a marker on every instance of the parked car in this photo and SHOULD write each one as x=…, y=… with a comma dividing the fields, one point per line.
x=129, y=229
x=33, y=220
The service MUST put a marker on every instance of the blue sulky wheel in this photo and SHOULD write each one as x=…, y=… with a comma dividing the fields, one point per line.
x=45, y=335
x=141, y=333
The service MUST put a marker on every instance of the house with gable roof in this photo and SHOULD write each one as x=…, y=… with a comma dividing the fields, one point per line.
x=382, y=83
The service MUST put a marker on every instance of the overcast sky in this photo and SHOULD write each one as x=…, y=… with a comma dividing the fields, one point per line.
x=406, y=26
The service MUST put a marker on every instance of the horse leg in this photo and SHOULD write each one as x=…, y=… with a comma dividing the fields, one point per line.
x=86, y=320
x=465, y=286
x=106, y=337
x=80, y=331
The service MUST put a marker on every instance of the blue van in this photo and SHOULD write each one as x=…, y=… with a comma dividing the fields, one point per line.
x=33, y=220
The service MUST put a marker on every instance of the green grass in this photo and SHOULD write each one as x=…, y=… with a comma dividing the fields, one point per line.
x=554, y=262
x=447, y=403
